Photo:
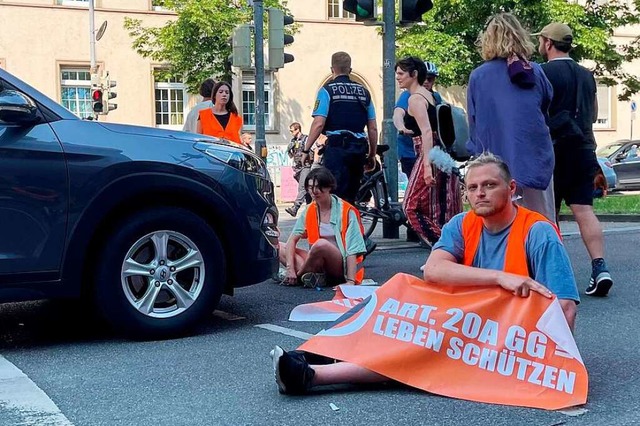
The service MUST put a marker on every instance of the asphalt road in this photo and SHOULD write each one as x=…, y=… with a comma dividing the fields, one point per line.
x=222, y=374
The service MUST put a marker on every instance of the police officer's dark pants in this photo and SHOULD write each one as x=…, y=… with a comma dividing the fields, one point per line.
x=346, y=156
x=303, y=195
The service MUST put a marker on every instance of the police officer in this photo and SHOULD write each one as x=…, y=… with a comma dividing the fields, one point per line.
x=342, y=110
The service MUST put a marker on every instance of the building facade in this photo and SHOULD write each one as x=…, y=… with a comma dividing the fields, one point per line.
x=46, y=43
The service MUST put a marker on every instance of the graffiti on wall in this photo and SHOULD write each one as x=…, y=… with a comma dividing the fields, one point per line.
x=277, y=156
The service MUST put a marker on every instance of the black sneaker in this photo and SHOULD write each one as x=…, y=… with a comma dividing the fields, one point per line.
x=293, y=212
x=293, y=374
x=600, y=282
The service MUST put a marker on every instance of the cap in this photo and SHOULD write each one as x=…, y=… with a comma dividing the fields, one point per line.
x=556, y=32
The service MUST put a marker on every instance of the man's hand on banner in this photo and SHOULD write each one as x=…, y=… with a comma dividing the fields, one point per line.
x=521, y=286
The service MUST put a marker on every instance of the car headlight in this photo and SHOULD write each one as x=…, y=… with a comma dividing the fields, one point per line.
x=237, y=158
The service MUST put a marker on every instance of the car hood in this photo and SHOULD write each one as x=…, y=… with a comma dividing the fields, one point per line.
x=128, y=129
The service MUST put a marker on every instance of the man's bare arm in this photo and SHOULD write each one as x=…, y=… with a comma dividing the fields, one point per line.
x=316, y=129
x=372, y=133
x=443, y=268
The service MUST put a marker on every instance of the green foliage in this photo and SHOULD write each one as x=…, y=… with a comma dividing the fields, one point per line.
x=197, y=44
x=452, y=27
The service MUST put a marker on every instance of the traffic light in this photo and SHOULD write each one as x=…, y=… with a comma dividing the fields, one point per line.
x=278, y=39
x=241, y=46
x=365, y=10
x=108, y=94
x=96, y=97
x=411, y=11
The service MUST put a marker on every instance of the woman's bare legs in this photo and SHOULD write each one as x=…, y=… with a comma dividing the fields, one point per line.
x=323, y=257
x=301, y=256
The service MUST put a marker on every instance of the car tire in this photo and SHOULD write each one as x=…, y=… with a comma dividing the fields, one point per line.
x=148, y=292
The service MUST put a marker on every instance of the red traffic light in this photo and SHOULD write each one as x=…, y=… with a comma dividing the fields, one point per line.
x=96, y=95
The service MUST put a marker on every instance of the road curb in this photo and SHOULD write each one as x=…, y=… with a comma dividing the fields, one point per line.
x=605, y=217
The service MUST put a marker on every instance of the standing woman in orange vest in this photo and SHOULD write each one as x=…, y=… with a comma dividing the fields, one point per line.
x=222, y=119
x=332, y=227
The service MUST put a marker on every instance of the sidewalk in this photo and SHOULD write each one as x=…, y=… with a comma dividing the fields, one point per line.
x=567, y=228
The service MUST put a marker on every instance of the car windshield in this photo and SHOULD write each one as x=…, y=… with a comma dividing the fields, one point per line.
x=608, y=150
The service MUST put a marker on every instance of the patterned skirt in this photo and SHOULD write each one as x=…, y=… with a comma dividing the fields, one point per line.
x=428, y=208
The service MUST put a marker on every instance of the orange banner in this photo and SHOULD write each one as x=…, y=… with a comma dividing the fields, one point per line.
x=476, y=343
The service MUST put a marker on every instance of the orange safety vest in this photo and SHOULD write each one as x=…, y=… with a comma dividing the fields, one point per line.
x=515, y=260
x=211, y=126
x=312, y=224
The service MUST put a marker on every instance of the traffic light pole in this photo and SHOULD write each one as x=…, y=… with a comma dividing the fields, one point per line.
x=258, y=22
x=389, y=135
x=92, y=37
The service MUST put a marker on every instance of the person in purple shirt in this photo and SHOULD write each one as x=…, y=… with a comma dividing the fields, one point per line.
x=508, y=99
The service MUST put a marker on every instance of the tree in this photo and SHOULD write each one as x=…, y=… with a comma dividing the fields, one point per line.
x=196, y=44
x=452, y=28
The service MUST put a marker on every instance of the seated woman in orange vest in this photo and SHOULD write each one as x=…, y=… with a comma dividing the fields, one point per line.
x=222, y=119
x=332, y=227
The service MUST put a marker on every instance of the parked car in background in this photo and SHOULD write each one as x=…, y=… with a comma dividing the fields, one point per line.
x=609, y=175
x=624, y=156
x=150, y=226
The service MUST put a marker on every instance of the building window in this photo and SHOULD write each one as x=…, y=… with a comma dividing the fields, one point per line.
x=75, y=89
x=337, y=12
x=81, y=3
x=249, y=101
x=171, y=99
x=605, y=94
x=158, y=5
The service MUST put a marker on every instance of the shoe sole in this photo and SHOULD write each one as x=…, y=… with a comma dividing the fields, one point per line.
x=276, y=353
x=601, y=288
x=313, y=280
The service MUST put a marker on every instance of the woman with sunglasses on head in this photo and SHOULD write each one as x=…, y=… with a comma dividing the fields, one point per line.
x=222, y=119
x=432, y=197
x=332, y=227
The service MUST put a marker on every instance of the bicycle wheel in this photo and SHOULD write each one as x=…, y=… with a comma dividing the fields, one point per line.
x=366, y=205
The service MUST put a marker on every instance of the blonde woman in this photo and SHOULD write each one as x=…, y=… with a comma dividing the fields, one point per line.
x=508, y=98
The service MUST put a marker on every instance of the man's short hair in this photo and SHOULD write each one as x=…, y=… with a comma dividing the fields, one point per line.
x=323, y=178
x=562, y=46
x=206, y=87
x=295, y=126
x=341, y=62
x=487, y=158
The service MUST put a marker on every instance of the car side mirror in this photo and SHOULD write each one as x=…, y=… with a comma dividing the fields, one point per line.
x=16, y=108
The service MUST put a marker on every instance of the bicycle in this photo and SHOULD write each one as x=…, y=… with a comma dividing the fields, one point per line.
x=372, y=199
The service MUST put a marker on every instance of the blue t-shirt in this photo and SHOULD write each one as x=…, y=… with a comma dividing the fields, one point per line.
x=547, y=259
x=405, y=143
x=321, y=108
x=509, y=121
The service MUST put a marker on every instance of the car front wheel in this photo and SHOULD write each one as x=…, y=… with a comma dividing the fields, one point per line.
x=160, y=272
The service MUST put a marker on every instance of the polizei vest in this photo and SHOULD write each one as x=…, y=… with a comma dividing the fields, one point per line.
x=348, y=105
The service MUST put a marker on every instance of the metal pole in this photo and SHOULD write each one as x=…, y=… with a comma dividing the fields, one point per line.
x=258, y=22
x=389, y=134
x=92, y=37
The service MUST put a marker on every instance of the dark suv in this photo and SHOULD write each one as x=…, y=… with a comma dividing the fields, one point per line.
x=151, y=225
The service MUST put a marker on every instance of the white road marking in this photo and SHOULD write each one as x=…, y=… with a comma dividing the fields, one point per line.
x=607, y=231
x=286, y=331
x=227, y=316
x=22, y=398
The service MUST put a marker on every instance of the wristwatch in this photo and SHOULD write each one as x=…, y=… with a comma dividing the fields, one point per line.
x=305, y=151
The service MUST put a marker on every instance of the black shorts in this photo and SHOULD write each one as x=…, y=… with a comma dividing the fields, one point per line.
x=573, y=176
